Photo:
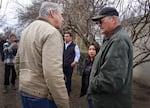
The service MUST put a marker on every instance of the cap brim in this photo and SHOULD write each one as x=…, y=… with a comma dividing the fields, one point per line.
x=96, y=18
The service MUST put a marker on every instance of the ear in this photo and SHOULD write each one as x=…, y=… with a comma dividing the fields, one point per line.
x=113, y=19
x=52, y=13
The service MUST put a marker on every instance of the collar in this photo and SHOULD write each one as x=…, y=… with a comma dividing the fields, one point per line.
x=118, y=28
x=68, y=43
x=43, y=19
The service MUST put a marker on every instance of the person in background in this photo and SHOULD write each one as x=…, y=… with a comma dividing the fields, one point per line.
x=111, y=74
x=71, y=55
x=2, y=41
x=10, y=50
x=39, y=61
x=87, y=66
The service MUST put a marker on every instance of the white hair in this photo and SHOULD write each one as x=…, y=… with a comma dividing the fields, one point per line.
x=118, y=18
x=46, y=7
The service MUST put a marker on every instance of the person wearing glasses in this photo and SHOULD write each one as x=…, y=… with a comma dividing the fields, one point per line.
x=111, y=74
x=39, y=61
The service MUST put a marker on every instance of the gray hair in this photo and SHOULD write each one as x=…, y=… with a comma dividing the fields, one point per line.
x=46, y=7
x=118, y=19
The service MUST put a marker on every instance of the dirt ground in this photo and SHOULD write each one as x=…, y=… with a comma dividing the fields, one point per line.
x=141, y=94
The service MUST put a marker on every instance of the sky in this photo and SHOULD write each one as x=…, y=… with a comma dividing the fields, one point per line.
x=8, y=10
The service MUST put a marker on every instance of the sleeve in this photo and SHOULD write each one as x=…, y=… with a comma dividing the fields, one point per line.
x=114, y=71
x=52, y=67
x=7, y=48
x=16, y=62
x=77, y=53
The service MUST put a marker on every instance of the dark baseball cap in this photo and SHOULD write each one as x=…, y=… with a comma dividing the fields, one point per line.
x=107, y=11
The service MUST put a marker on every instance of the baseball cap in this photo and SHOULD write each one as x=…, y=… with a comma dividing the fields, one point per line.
x=107, y=11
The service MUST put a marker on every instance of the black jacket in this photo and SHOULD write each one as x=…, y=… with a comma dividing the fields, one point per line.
x=87, y=66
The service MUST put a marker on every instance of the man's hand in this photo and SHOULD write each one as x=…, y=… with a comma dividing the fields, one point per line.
x=14, y=44
x=73, y=64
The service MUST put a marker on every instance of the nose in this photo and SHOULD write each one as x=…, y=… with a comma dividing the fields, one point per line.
x=63, y=21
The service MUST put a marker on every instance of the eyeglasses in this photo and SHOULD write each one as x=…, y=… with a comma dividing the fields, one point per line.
x=100, y=21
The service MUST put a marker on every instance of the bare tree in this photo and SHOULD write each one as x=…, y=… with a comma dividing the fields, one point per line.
x=138, y=24
x=7, y=31
x=135, y=16
x=27, y=14
x=77, y=14
x=0, y=4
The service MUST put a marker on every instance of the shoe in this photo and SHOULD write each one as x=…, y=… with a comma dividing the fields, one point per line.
x=13, y=87
x=5, y=89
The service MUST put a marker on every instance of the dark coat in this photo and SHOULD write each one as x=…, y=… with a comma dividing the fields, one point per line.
x=68, y=55
x=111, y=75
x=87, y=66
x=1, y=49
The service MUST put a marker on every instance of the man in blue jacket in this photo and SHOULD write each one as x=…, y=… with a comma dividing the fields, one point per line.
x=111, y=75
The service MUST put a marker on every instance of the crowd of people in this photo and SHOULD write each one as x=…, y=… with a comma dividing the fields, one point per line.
x=44, y=62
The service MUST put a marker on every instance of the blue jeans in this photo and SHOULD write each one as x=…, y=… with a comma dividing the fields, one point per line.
x=31, y=102
x=90, y=103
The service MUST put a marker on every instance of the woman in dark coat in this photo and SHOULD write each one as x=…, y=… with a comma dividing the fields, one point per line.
x=87, y=66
